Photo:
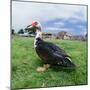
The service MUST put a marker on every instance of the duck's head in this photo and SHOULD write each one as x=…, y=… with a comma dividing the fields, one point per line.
x=36, y=27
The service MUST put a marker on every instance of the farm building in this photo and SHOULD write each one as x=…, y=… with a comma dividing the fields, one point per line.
x=47, y=35
x=64, y=35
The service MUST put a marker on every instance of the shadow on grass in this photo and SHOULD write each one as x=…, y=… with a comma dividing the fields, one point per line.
x=64, y=69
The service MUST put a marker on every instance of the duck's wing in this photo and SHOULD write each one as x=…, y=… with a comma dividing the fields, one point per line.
x=61, y=60
x=50, y=48
x=55, y=48
x=52, y=54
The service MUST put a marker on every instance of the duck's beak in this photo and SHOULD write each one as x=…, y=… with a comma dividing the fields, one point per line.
x=29, y=26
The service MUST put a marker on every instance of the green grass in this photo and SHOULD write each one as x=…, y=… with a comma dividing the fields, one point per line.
x=25, y=61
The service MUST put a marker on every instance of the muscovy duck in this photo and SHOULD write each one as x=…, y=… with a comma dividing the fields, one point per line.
x=50, y=53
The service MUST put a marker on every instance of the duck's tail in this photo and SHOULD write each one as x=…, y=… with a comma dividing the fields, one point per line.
x=68, y=63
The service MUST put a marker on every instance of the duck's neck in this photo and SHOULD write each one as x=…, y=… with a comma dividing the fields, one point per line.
x=38, y=35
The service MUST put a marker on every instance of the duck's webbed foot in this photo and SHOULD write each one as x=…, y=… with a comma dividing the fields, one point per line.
x=45, y=67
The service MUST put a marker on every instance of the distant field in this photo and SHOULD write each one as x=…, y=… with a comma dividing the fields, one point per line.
x=25, y=61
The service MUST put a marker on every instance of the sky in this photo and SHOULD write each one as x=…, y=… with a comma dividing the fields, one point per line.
x=53, y=17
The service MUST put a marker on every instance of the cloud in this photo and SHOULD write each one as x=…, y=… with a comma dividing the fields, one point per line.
x=56, y=29
x=52, y=16
x=52, y=28
x=59, y=24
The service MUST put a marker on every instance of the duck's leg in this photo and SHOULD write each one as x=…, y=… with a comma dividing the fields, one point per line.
x=45, y=67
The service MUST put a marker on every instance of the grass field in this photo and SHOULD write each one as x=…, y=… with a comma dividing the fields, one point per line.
x=25, y=61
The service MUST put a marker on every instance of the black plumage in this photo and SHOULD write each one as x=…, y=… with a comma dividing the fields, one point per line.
x=52, y=54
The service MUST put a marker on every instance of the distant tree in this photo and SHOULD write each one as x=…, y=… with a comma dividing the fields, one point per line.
x=86, y=36
x=21, y=31
x=13, y=32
